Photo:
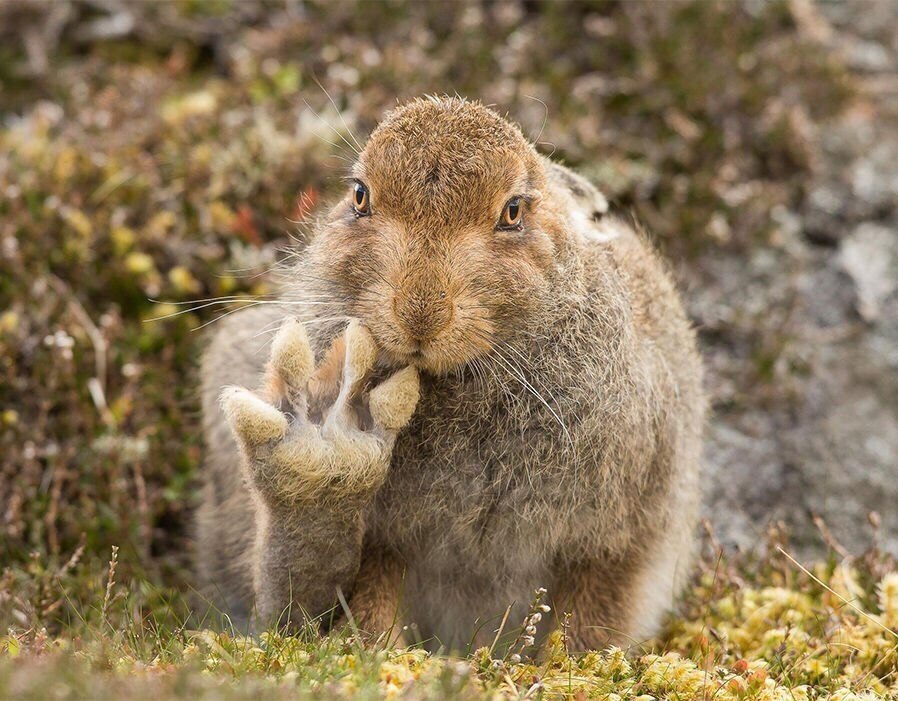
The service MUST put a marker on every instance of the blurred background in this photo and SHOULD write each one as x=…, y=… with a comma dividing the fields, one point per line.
x=152, y=154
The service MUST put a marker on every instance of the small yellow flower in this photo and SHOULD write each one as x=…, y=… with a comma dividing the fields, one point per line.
x=9, y=321
x=814, y=667
x=138, y=263
x=182, y=280
x=222, y=216
x=161, y=223
x=79, y=221
x=122, y=238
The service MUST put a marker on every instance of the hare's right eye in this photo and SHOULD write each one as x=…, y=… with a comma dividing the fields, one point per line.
x=361, y=200
x=512, y=218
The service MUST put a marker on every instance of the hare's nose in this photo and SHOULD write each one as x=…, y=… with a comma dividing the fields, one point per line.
x=422, y=313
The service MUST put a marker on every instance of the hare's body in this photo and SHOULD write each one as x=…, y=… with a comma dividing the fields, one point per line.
x=567, y=457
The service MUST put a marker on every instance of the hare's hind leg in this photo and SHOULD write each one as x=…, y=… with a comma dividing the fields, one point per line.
x=377, y=596
x=600, y=597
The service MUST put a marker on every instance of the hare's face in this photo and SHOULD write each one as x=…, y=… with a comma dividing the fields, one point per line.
x=444, y=242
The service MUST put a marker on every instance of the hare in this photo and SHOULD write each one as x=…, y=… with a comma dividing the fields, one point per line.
x=482, y=384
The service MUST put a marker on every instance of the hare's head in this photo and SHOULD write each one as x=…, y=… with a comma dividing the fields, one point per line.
x=446, y=240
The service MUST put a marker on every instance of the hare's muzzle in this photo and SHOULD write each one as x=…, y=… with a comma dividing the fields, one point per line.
x=422, y=311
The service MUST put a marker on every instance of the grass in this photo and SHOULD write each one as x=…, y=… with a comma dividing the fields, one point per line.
x=748, y=628
x=144, y=172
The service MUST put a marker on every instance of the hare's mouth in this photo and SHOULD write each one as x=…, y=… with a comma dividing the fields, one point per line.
x=432, y=358
x=414, y=356
x=438, y=355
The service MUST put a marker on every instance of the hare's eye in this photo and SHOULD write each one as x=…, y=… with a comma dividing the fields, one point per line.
x=512, y=216
x=361, y=200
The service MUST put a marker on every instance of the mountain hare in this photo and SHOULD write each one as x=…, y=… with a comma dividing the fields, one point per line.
x=481, y=385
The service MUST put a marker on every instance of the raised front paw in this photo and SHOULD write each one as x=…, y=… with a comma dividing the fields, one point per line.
x=314, y=434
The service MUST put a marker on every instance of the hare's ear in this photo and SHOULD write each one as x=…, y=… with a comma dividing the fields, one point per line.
x=586, y=195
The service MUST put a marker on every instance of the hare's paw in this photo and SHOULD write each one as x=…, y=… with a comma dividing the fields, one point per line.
x=314, y=452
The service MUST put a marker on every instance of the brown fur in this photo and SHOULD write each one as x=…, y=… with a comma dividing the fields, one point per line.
x=557, y=437
x=377, y=596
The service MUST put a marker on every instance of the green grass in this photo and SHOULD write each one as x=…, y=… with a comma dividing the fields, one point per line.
x=137, y=175
x=748, y=628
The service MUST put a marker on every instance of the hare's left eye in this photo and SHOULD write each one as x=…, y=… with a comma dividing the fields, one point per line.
x=512, y=215
x=361, y=199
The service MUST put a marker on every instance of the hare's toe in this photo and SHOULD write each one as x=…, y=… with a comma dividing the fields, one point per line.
x=254, y=421
x=361, y=353
x=292, y=360
x=393, y=402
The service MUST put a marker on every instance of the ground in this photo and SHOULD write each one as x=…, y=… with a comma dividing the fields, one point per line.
x=156, y=154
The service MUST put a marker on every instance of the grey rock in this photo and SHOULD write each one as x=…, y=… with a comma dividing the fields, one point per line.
x=870, y=256
x=801, y=338
x=814, y=430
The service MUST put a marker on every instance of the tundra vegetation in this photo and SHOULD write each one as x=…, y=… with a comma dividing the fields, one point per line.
x=156, y=154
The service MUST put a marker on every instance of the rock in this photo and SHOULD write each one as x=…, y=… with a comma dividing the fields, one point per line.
x=870, y=256
x=813, y=429
x=801, y=343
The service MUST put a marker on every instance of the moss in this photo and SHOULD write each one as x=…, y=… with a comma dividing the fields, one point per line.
x=749, y=629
